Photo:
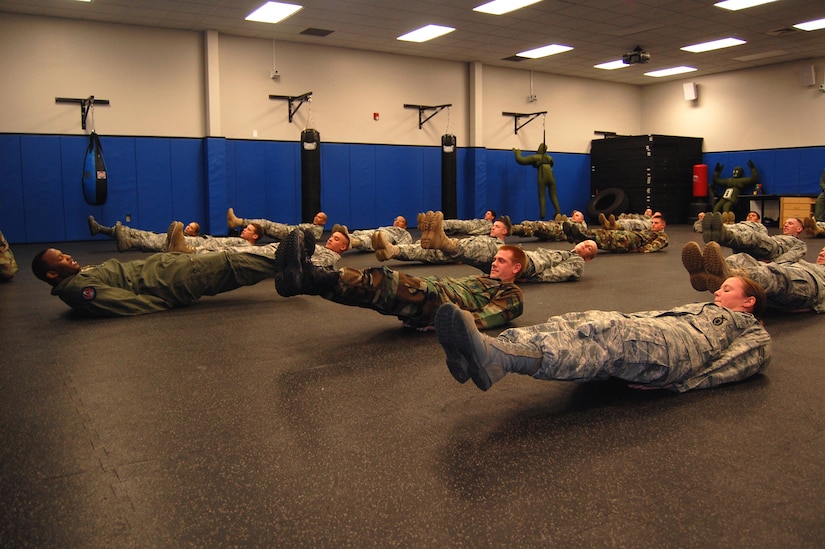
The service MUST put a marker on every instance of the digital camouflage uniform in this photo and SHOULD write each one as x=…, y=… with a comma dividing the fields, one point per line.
x=550, y=231
x=475, y=227
x=279, y=231
x=393, y=234
x=789, y=286
x=694, y=346
x=161, y=281
x=148, y=241
x=8, y=265
x=779, y=248
x=622, y=241
x=634, y=224
x=545, y=265
x=322, y=256
x=739, y=226
x=414, y=300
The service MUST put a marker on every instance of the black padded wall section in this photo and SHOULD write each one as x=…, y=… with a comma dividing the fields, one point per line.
x=310, y=174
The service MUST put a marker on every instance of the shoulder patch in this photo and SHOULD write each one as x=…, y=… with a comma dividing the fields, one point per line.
x=88, y=293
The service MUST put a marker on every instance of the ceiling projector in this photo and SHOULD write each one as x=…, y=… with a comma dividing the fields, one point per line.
x=636, y=56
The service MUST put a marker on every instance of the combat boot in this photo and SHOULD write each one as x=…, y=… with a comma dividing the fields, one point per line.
x=812, y=228
x=604, y=222
x=695, y=265
x=124, y=242
x=175, y=241
x=97, y=228
x=383, y=249
x=487, y=359
x=294, y=274
x=232, y=221
x=611, y=221
x=433, y=236
x=717, y=268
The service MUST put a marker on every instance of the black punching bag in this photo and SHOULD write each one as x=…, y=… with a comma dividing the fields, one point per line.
x=310, y=174
x=94, y=180
x=449, y=201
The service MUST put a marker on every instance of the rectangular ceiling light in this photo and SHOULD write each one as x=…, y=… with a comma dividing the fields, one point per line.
x=713, y=45
x=736, y=5
x=425, y=33
x=669, y=72
x=499, y=7
x=544, y=51
x=612, y=65
x=273, y=12
x=811, y=25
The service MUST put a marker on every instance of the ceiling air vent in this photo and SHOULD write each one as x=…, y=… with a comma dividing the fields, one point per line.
x=515, y=58
x=316, y=32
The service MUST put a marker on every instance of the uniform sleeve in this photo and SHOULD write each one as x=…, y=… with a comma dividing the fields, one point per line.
x=794, y=254
x=505, y=306
x=102, y=300
x=748, y=355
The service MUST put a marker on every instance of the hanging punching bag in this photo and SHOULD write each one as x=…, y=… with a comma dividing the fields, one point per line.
x=95, y=184
x=449, y=200
x=310, y=174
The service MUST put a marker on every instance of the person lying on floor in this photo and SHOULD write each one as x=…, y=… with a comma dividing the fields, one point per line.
x=543, y=264
x=275, y=230
x=695, y=346
x=789, y=286
x=782, y=247
x=623, y=241
x=491, y=301
x=159, y=282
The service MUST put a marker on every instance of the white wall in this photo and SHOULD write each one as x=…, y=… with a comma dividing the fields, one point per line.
x=155, y=80
x=762, y=108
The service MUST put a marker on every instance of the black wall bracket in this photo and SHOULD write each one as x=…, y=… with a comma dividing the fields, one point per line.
x=292, y=99
x=85, y=105
x=422, y=108
x=519, y=115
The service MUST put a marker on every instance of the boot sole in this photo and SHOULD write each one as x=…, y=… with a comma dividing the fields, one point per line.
x=694, y=264
x=456, y=362
x=715, y=266
x=470, y=344
x=288, y=269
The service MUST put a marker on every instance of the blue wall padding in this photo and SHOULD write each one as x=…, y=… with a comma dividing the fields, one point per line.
x=12, y=212
x=157, y=180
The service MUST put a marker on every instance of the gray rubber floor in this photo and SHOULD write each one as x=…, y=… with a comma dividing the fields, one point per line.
x=248, y=419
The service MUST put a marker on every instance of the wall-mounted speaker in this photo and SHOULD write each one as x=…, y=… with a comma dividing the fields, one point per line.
x=690, y=91
x=807, y=76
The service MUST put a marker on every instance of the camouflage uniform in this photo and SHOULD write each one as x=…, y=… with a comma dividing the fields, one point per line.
x=148, y=241
x=777, y=248
x=322, y=256
x=740, y=226
x=476, y=251
x=394, y=235
x=8, y=265
x=476, y=227
x=414, y=300
x=549, y=231
x=634, y=224
x=789, y=286
x=545, y=265
x=821, y=226
x=161, y=281
x=695, y=346
x=279, y=231
x=621, y=241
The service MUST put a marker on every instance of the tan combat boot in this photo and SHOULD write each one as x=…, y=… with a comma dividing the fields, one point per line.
x=175, y=241
x=383, y=249
x=232, y=221
x=433, y=236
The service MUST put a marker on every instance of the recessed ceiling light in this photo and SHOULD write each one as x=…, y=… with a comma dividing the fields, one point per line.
x=811, y=25
x=273, y=12
x=499, y=7
x=713, y=45
x=425, y=33
x=544, y=51
x=612, y=65
x=670, y=71
x=735, y=5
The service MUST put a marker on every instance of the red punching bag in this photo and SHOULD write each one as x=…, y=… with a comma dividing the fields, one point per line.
x=700, y=180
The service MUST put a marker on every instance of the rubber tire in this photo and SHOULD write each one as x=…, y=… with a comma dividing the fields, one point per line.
x=610, y=201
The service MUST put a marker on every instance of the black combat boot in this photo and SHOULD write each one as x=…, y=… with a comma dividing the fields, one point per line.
x=294, y=273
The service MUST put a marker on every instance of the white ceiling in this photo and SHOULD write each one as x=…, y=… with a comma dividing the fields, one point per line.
x=598, y=30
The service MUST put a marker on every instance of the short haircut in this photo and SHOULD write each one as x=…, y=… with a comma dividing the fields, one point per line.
x=40, y=266
x=505, y=219
x=518, y=255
